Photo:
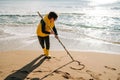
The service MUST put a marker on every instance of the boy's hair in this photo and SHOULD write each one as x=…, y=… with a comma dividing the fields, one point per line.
x=52, y=15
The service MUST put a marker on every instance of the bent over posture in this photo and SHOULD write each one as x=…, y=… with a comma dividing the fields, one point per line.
x=44, y=29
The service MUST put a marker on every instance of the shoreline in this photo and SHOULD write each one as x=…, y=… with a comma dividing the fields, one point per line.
x=32, y=43
x=20, y=64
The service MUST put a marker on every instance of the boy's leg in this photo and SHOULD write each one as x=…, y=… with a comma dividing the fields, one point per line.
x=41, y=41
x=47, y=42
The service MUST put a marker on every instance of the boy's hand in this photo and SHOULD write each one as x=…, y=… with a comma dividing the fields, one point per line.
x=52, y=32
x=56, y=36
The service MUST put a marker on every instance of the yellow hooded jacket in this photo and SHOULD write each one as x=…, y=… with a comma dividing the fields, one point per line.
x=48, y=26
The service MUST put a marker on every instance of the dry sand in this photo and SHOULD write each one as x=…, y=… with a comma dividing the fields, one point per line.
x=30, y=65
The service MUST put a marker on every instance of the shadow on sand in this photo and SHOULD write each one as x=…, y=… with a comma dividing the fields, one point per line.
x=22, y=73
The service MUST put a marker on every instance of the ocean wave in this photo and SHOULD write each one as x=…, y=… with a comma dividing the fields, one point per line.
x=116, y=8
x=105, y=40
x=78, y=36
x=4, y=34
x=18, y=19
x=71, y=22
x=82, y=26
x=65, y=19
x=34, y=15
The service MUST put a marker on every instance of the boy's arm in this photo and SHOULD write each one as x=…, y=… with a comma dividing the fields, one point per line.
x=55, y=30
x=43, y=27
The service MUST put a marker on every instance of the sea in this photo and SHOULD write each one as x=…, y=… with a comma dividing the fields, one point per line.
x=82, y=25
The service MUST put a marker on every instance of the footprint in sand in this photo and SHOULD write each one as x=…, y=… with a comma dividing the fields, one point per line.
x=118, y=78
x=110, y=68
x=93, y=75
x=58, y=72
x=56, y=59
x=66, y=75
x=1, y=72
x=118, y=73
x=80, y=78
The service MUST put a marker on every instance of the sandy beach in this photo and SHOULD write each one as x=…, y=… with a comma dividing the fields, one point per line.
x=30, y=65
x=89, y=29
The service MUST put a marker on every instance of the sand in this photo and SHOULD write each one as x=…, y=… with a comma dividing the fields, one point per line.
x=30, y=65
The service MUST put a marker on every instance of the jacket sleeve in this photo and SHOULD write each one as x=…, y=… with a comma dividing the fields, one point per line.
x=55, y=30
x=43, y=27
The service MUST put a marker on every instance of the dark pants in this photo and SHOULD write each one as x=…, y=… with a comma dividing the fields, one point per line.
x=44, y=42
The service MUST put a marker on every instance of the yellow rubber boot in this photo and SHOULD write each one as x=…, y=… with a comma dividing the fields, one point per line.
x=44, y=50
x=47, y=54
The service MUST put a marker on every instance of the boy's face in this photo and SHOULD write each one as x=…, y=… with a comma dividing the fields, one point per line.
x=52, y=20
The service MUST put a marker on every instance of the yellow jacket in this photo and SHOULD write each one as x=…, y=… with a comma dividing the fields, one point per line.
x=48, y=26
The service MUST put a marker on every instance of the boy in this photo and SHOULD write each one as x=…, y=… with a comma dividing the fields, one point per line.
x=44, y=29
